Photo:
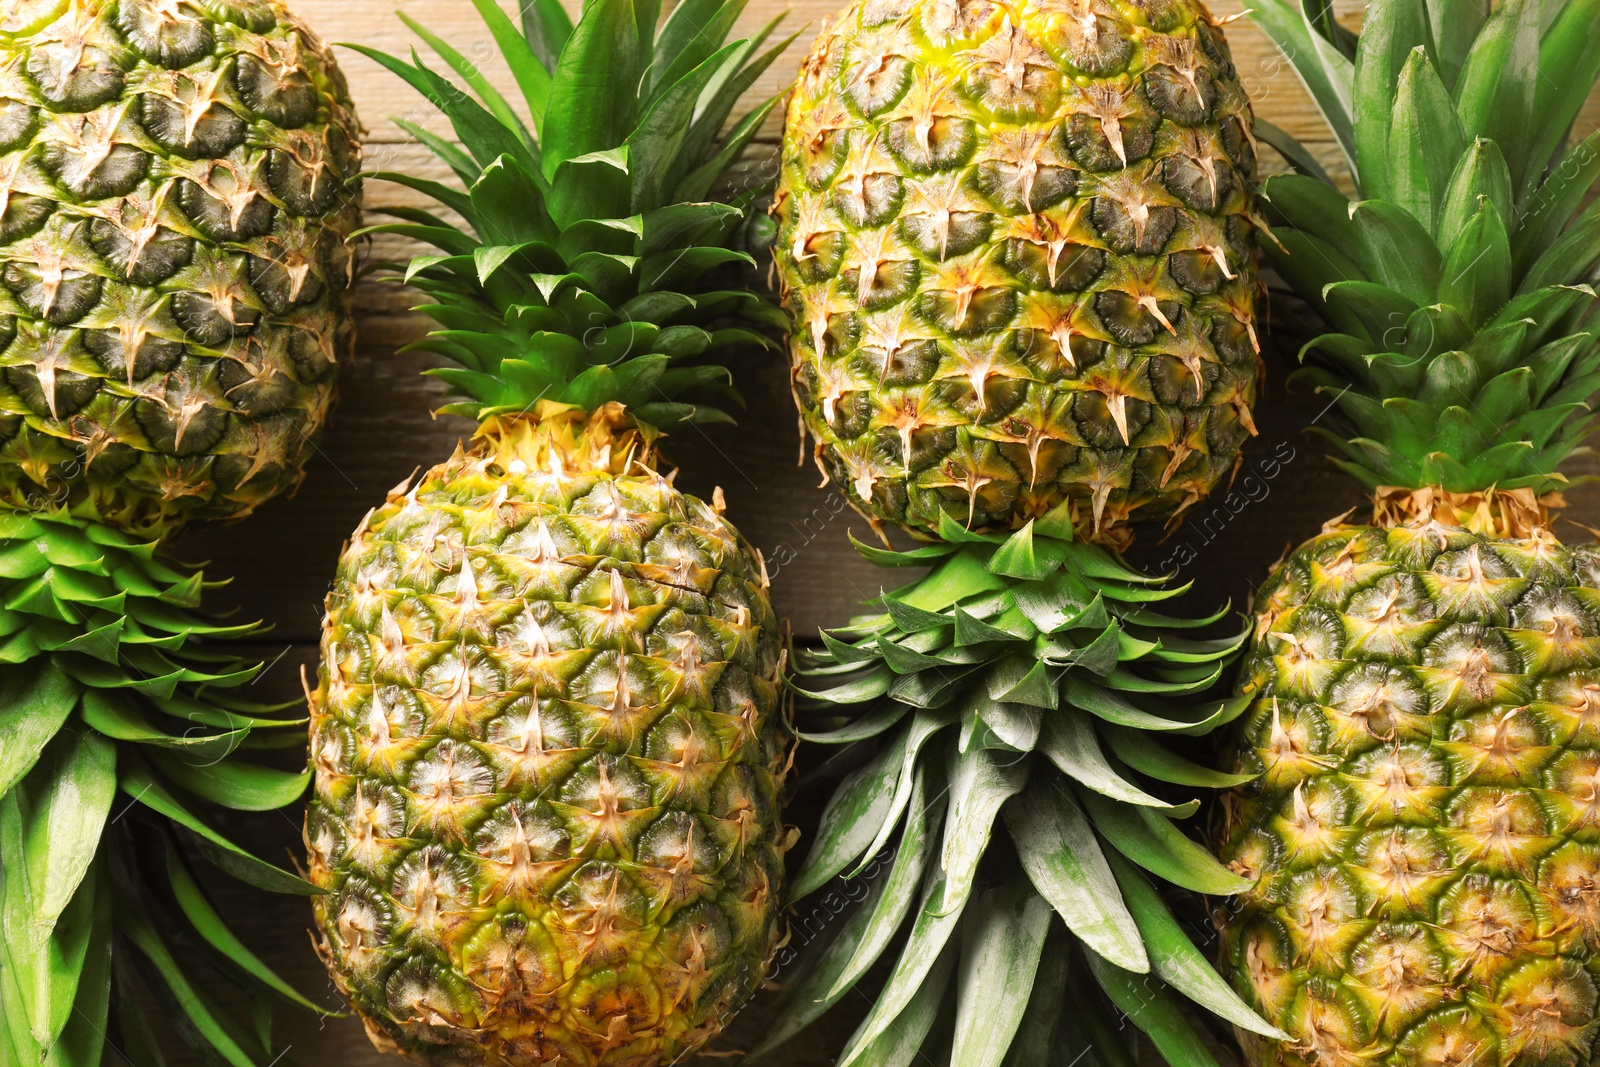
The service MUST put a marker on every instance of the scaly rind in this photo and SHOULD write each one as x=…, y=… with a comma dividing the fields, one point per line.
x=180, y=181
x=550, y=744
x=1017, y=243
x=1421, y=818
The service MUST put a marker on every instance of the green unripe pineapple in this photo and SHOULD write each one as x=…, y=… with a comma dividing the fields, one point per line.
x=177, y=185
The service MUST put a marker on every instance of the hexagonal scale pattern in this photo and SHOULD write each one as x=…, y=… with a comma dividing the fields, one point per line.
x=549, y=748
x=1426, y=824
x=1017, y=240
x=177, y=183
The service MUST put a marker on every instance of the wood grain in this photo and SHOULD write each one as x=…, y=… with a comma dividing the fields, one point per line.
x=282, y=558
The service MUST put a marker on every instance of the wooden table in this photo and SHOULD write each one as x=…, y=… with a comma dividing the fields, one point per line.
x=282, y=558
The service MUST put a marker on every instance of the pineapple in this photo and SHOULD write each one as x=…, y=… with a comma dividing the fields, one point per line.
x=178, y=180
x=177, y=183
x=547, y=729
x=1421, y=825
x=1017, y=243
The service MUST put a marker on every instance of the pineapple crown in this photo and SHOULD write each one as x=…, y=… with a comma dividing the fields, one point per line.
x=588, y=270
x=1462, y=357
x=128, y=728
x=1003, y=715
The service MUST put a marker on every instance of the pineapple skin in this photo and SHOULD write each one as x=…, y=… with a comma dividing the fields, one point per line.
x=1017, y=242
x=179, y=181
x=547, y=802
x=1426, y=824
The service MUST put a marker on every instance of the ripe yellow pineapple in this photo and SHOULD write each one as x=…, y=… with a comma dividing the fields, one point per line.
x=547, y=731
x=1017, y=242
x=1421, y=830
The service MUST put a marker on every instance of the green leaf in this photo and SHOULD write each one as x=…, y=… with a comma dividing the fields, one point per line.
x=687, y=225
x=912, y=619
x=1568, y=260
x=655, y=142
x=135, y=780
x=1148, y=756
x=479, y=132
x=696, y=185
x=853, y=819
x=1059, y=851
x=592, y=95
x=918, y=732
x=1175, y=959
x=1495, y=96
x=64, y=804
x=1020, y=557
x=83, y=1038
x=1024, y=680
x=1455, y=25
x=1298, y=155
x=50, y=829
x=1391, y=36
x=1317, y=208
x=200, y=913
x=1000, y=948
x=1425, y=140
x=1069, y=742
x=1395, y=250
x=1114, y=708
x=873, y=723
x=43, y=984
x=981, y=781
x=532, y=75
x=1013, y=727
x=901, y=1044
x=1555, y=202
x=136, y=927
x=1152, y=1011
x=35, y=700
x=1039, y=1041
x=473, y=75
x=547, y=27
x=447, y=151
x=1326, y=73
x=692, y=32
x=1569, y=62
x=899, y=891
x=856, y=691
x=233, y=784
x=1477, y=271
x=509, y=204
x=806, y=997
x=1480, y=177
x=1149, y=839
x=716, y=104
x=919, y=963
